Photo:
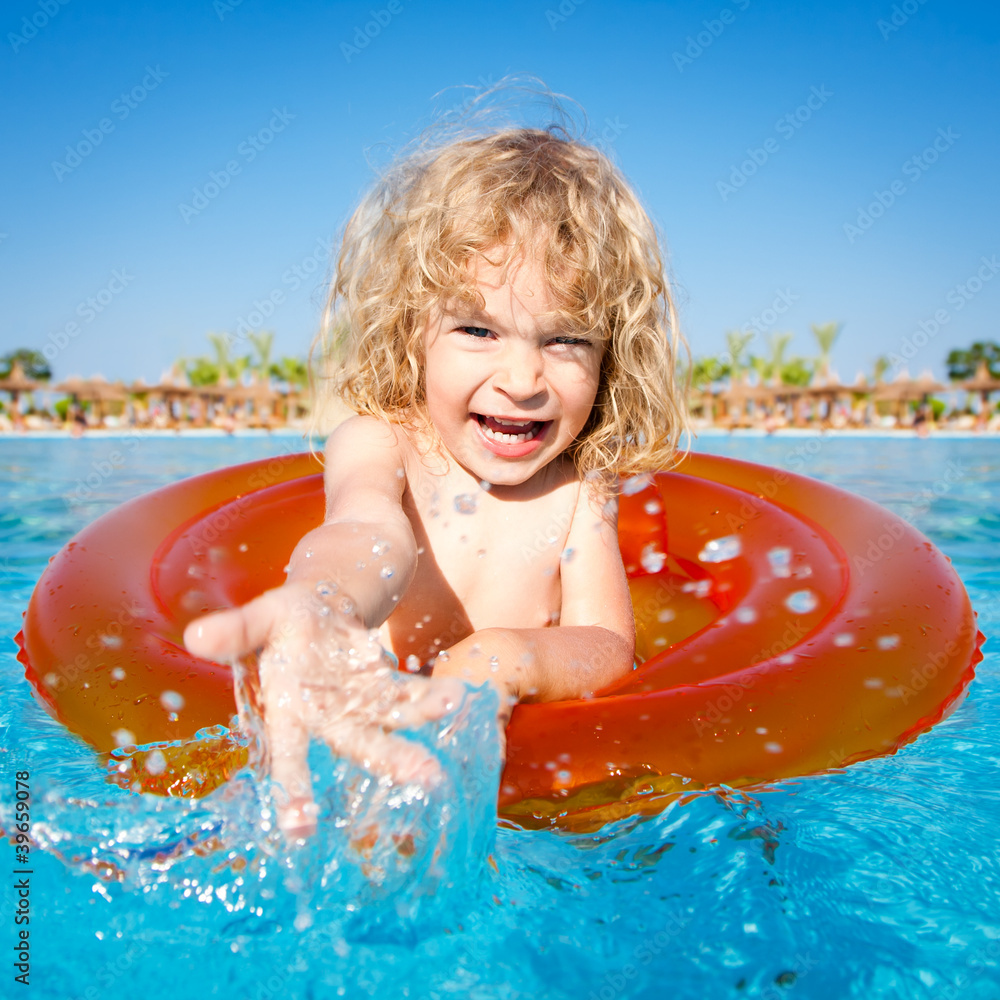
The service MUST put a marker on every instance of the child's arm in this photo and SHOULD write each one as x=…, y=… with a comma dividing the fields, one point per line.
x=320, y=671
x=594, y=642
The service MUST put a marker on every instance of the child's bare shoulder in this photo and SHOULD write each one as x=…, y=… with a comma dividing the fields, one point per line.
x=364, y=454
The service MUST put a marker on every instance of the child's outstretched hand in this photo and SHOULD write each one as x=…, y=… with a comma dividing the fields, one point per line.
x=323, y=674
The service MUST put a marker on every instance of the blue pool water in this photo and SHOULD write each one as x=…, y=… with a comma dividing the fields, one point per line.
x=877, y=881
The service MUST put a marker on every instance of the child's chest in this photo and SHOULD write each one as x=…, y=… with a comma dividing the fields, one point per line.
x=483, y=562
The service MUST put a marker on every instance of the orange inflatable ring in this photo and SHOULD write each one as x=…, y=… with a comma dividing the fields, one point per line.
x=785, y=627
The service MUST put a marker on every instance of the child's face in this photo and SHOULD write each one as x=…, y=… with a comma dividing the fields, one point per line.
x=508, y=386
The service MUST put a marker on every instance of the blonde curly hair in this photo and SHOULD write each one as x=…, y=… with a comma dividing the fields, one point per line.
x=408, y=245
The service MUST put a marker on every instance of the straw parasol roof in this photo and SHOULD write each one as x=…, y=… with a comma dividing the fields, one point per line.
x=17, y=381
x=982, y=382
x=904, y=387
x=96, y=388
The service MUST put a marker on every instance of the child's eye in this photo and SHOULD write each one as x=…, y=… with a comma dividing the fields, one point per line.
x=571, y=341
x=479, y=332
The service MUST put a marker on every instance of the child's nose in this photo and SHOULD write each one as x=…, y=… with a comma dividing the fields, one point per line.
x=520, y=373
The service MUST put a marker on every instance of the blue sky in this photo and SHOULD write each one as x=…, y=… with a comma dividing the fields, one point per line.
x=757, y=133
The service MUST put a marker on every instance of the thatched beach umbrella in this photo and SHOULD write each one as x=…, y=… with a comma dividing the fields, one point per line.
x=16, y=383
x=97, y=390
x=982, y=382
x=903, y=390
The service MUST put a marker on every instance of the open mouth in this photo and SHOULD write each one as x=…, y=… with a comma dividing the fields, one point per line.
x=510, y=431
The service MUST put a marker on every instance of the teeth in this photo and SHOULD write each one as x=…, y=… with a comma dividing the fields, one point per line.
x=510, y=438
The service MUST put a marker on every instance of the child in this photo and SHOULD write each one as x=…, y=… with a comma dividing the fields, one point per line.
x=511, y=352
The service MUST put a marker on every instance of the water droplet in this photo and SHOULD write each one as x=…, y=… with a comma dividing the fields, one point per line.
x=117, y=674
x=386, y=571
x=480, y=553
x=773, y=747
x=309, y=553
x=801, y=602
x=745, y=615
x=485, y=486
x=123, y=737
x=465, y=503
x=51, y=680
x=380, y=547
x=786, y=659
x=652, y=558
x=761, y=730
x=567, y=555
x=874, y=682
x=700, y=588
x=172, y=701
x=843, y=639
x=412, y=664
x=243, y=547
x=494, y=664
x=666, y=615
x=564, y=777
x=111, y=641
x=156, y=763
x=636, y=484
x=721, y=549
x=887, y=641
x=326, y=589
x=194, y=600
x=652, y=506
x=780, y=559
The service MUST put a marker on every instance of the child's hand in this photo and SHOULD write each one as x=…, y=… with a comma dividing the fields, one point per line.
x=323, y=674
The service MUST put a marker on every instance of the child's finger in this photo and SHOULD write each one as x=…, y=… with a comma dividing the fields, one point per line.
x=288, y=744
x=384, y=753
x=425, y=700
x=236, y=632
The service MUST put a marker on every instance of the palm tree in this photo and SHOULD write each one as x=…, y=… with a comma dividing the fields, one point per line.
x=230, y=369
x=777, y=344
x=294, y=372
x=262, y=342
x=881, y=366
x=736, y=345
x=200, y=371
x=826, y=335
x=964, y=364
x=796, y=371
x=32, y=363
